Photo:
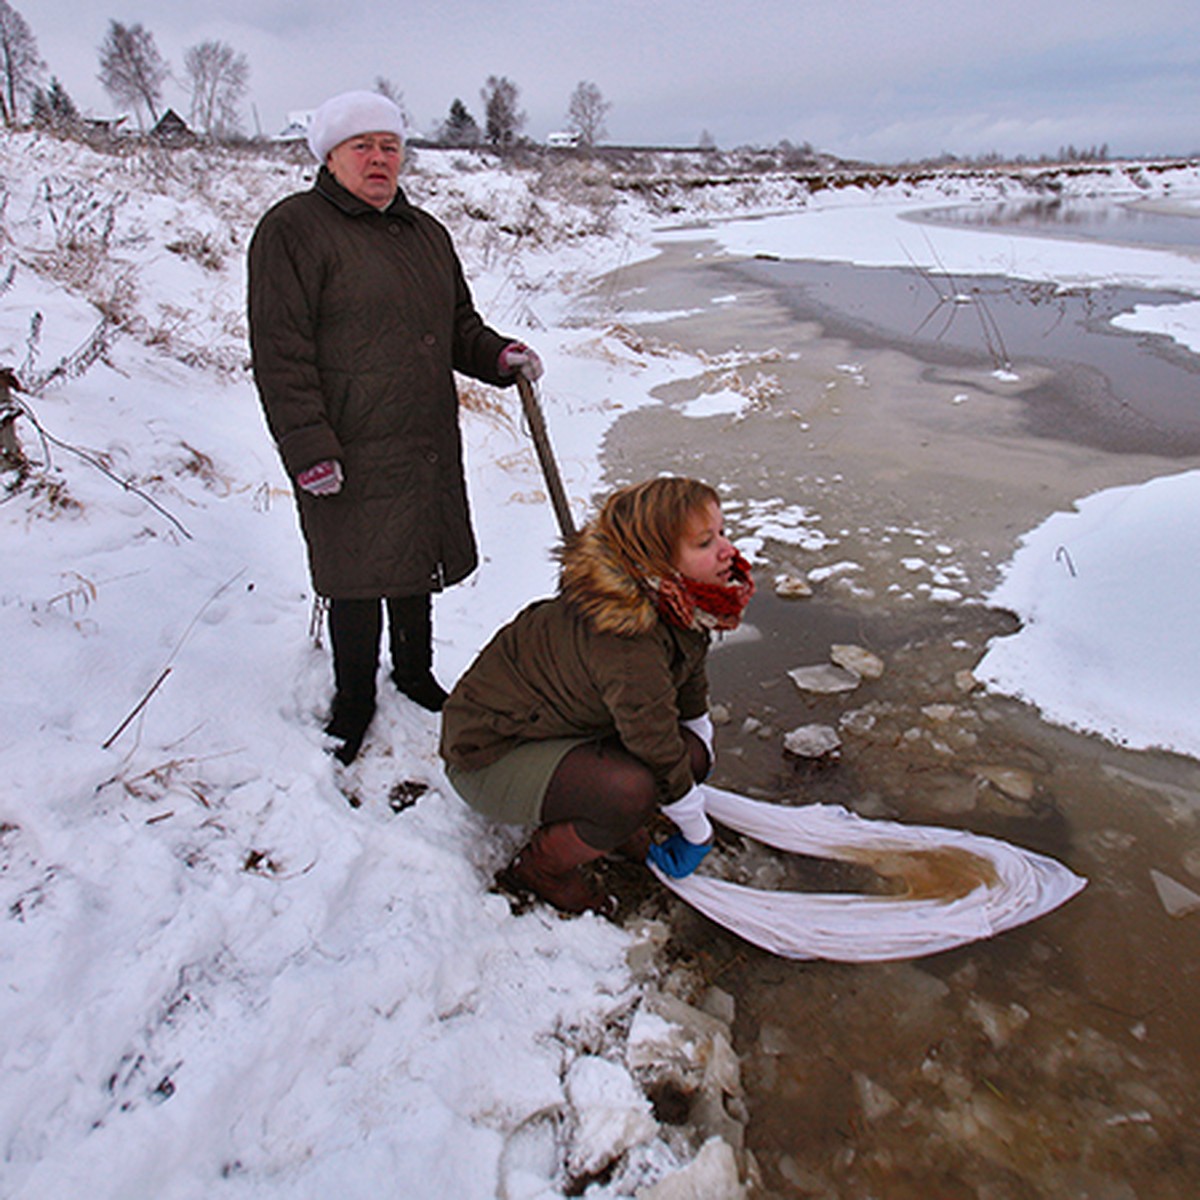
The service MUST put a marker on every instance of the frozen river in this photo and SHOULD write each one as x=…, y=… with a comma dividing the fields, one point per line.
x=899, y=441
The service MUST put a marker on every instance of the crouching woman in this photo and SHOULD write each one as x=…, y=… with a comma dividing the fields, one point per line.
x=588, y=713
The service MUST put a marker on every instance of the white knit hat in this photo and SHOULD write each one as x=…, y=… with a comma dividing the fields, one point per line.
x=349, y=114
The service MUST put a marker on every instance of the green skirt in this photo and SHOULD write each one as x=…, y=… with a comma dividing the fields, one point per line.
x=511, y=789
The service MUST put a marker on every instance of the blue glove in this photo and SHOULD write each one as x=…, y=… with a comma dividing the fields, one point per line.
x=677, y=857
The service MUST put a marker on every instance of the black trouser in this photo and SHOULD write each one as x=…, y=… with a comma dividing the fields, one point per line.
x=355, y=628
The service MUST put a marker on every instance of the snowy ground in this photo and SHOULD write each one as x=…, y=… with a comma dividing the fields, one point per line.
x=221, y=977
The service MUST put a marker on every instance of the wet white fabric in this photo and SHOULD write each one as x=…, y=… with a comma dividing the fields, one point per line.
x=688, y=812
x=848, y=927
x=702, y=727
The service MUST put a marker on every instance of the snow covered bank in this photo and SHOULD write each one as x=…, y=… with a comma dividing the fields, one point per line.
x=230, y=969
x=1106, y=595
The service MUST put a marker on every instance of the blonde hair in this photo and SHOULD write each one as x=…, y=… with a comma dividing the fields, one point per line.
x=644, y=523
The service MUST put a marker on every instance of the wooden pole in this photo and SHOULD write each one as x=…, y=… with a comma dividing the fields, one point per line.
x=541, y=443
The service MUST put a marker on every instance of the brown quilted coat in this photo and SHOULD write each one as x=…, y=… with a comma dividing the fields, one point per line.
x=358, y=320
x=595, y=660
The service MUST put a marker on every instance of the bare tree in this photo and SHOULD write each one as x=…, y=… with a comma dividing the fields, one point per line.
x=218, y=77
x=586, y=112
x=504, y=119
x=131, y=69
x=385, y=87
x=20, y=65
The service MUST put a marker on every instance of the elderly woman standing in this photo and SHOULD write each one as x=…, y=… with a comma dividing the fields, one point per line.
x=359, y=315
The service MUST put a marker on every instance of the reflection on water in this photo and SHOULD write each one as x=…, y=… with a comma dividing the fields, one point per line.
x=1110, y=389
x=1101, y=220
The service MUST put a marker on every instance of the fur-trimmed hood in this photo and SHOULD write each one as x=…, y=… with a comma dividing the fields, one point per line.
x=600, y=587
x=594, y=661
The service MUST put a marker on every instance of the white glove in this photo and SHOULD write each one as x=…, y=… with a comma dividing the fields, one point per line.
x=517, y=356
x=688, y=813
x=702, y=727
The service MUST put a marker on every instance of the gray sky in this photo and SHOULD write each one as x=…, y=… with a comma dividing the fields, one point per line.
x=874, y=79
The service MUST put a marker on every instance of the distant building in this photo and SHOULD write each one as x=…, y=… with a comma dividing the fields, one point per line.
x=296, y=129
x=172, y=130
x=565, y=141
x=100, y=130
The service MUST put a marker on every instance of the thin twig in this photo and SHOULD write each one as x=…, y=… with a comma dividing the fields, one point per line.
x=183, y=637
x=93, y=461
x=994, y=338
x=137, y=708
x=170, y=658
x=990, y=328
x=923, y=273
x=1062, y=554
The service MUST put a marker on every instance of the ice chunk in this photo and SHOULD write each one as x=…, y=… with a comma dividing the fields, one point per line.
x=613, y=1115
x=1176, y=899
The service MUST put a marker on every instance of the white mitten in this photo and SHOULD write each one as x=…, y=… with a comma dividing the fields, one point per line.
x=702, y=727
x=688, y=813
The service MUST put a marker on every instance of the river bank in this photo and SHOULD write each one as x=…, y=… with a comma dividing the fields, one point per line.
x=896, y=471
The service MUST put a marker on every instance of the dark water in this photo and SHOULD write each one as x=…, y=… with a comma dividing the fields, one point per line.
x=1111, y=389
x=1058, y=1060
x=1099, y=220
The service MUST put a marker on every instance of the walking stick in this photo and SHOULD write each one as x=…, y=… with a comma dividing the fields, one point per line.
x=541, y=443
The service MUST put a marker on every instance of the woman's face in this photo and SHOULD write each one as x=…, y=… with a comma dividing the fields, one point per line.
x=704, y=553
x=367, y=166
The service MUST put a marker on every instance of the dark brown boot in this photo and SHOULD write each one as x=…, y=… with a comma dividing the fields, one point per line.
x=635, y=847
x=549, y=867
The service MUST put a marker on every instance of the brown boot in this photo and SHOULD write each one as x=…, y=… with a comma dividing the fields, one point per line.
x=549, y=867
x=635, y=847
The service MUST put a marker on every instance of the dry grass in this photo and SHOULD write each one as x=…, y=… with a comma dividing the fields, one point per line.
x=78, y=597
x=487, y=402
x=199, y=248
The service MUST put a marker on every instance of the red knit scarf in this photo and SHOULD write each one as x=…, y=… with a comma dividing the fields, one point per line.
x=704, y=606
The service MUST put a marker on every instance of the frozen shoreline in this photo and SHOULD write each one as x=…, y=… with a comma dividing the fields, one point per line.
x=1021, y=1017
x=1142, y=696
x=235, y=971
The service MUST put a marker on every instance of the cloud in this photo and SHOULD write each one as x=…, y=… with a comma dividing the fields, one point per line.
x=868, y=79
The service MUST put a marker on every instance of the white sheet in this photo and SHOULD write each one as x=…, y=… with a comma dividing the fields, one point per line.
x=846, y=927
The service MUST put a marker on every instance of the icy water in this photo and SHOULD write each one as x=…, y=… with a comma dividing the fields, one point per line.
x=1061, y=1059
x=1107, y=388
x=1137, y=223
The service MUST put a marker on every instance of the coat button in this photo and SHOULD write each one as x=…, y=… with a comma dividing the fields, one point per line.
x=431, y=456
x=429, y=339
x=394, y=229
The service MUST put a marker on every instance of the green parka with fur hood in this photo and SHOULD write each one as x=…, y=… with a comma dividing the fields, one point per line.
x=593, y=661
x=358, y=320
